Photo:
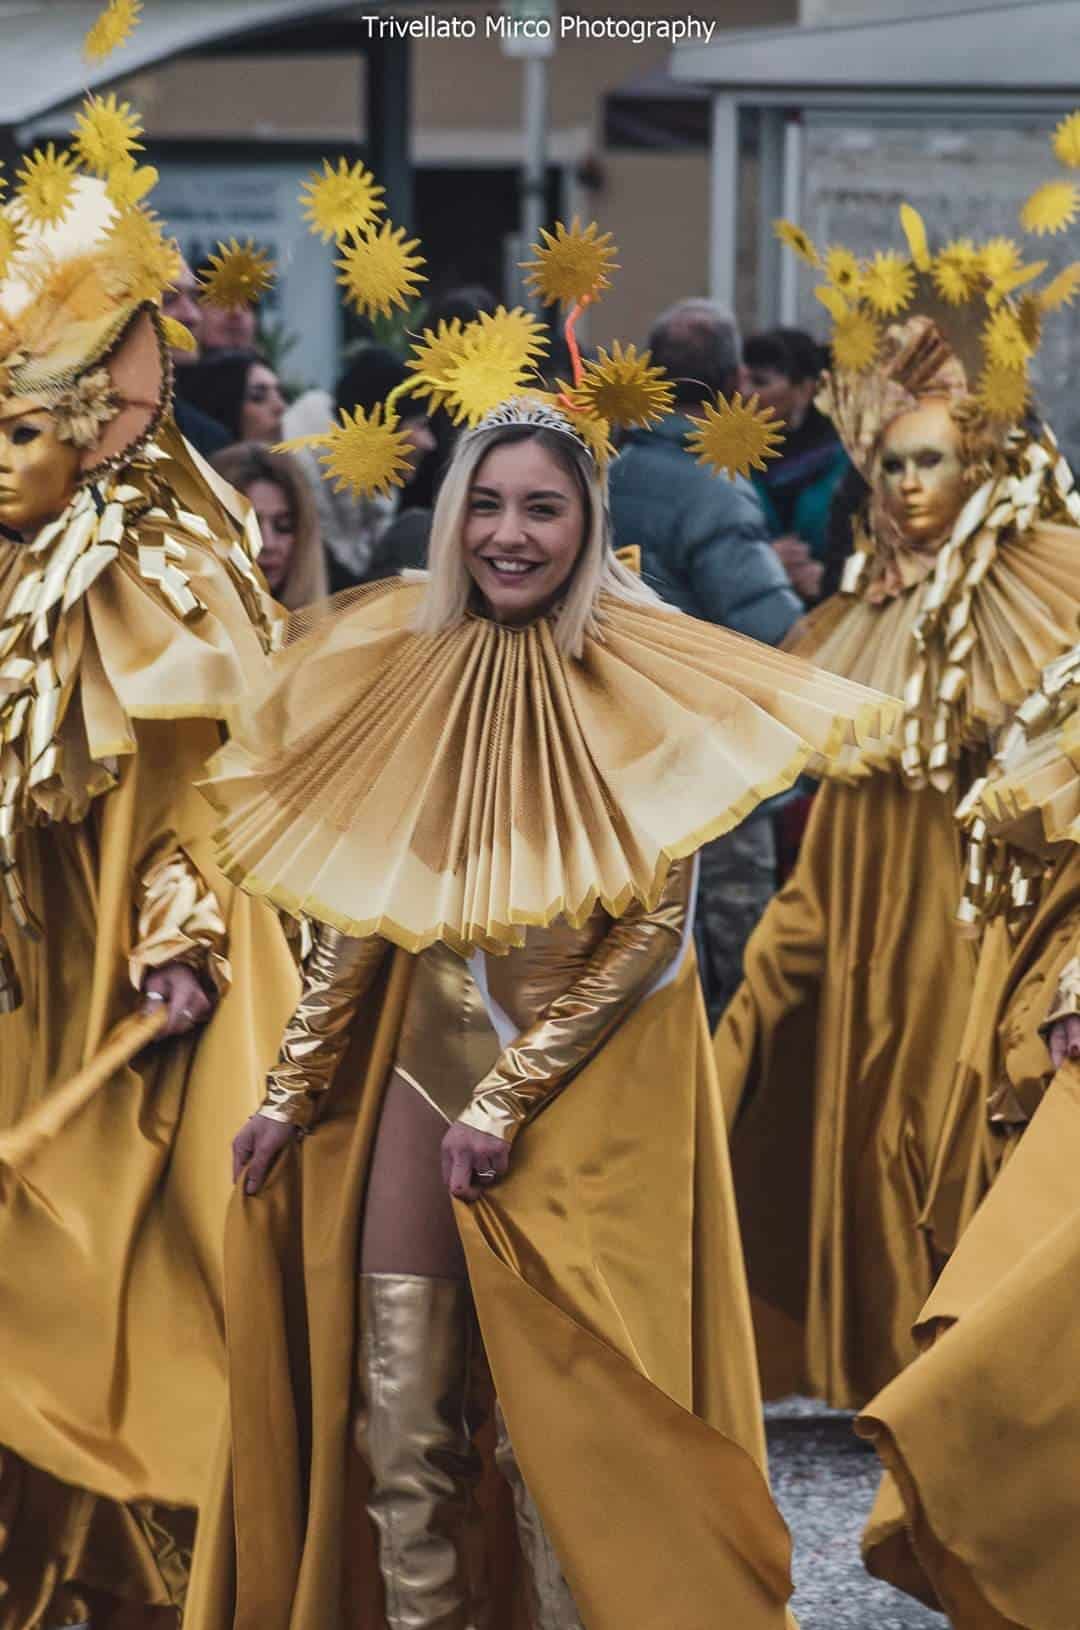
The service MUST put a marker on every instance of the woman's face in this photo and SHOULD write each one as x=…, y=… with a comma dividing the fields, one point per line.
x=271, y=505
x=38, y=472
x=524, y=530
x=923, y=481
x=263, y=405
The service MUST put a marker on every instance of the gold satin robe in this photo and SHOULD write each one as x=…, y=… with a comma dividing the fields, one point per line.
x=606, y=1271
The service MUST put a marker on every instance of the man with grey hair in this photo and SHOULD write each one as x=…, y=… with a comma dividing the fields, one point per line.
x=705, y=548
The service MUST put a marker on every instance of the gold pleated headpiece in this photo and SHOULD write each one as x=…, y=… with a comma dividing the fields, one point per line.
x=464, y=785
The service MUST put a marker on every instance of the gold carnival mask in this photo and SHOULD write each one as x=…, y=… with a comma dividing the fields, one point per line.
x=921, y=478
x=39, y=471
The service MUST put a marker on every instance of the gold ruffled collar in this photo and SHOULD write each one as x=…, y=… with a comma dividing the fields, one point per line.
x=465, y=785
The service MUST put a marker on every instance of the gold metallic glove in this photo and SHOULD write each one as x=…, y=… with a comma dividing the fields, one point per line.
x=336, y=975
x=179, y=920
x=1066, y=1003
x=630, y=958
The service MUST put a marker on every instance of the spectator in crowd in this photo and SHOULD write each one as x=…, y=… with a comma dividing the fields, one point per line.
x=238, y=389
x=705, y=548
x=232, y=329
x=275, y=486
x=783, y=367
x=352, y=527
x=182, y=305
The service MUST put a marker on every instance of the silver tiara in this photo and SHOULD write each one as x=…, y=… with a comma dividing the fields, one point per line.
x=526, y=410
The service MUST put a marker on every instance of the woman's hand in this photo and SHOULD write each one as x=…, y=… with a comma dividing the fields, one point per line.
x=178, y=989
x=1064, y=1040
x=256, y=1147
x=472, y=1161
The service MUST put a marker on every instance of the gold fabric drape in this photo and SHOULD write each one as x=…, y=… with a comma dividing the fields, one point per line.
x=595, y=775
x=608, y=1280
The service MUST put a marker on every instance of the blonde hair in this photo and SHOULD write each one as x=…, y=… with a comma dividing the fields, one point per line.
x=596, y=571
x=249, y=461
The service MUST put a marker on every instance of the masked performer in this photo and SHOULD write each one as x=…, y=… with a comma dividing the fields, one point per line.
x=501, y=768
x=981, y=1435
x=130, y=618
x=842, y=1043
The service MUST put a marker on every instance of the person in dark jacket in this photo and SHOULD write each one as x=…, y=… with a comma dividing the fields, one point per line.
x=705, y=547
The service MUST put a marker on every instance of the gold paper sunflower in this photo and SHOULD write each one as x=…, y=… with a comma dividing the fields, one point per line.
x=379, y=268
x=888, y=283
x=736, y=437
x=46, y=185
x=855, y=341
x=625, y=388
x=1066, y=141
x=107, y=133
x=112, y=29
x=12, y=238
x=571, y=266
x=484, y=374
x=915, y=232
x=1000, y=257
x=516, y=328
x=956, y=271
x=145, y=263
x=365, y=454
x=239, y=275
x=1004, y=340
x=128, y=184
x=794, y=238
x=1017, y=279
x=340, y=200
x=596, y=434
x=1051, y=208
x=1003, y=393
x=432, y=355
x=178, y=337
x=1061, y=290
x=833, y=301
x=843, y=271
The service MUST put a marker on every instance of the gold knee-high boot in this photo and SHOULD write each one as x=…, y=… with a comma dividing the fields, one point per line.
x=551, y=1604
x=416, y=1349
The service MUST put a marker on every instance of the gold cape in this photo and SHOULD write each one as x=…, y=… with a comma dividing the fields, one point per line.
x=350, y=781
x=847, y=1042
x=982, y=1433
x=111, y=1341
x=617, y=1329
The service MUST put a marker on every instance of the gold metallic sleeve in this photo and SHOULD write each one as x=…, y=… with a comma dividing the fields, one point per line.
x=178, y=920
x=337, y=972
x=639, y=946
x=1066, y=1003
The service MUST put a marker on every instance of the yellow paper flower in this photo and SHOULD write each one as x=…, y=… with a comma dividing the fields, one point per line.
x=1003, y=393
x=1061, y=290
x=239, y=275
x=1051, y=208
x=1066, y=141
x=178, y=337
x=832, y=300
x=843, y=271
x=112, y=29
x=1015, y=280
x=915, y=232
x=596, y=434
x=855, y=341
x=794, y=238
x=1000, y=257
x=736, y=437
x=432, y=356
x=341, y=200
x=365, y=454
x=47, y=185
x=128, y=184
x=1030, y=315
x=379, y=268
x=571, y=266
x=888, y=282
x=107, y=133
x=625, y=388
x=957, y=270
x=1004, y=340
x=484, y=374
x=12, y=238
x=515, y=328
x=144, y=262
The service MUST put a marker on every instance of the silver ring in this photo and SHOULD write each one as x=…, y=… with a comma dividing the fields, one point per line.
x=154, y=996
x=487, y=1176
x=186, y=1013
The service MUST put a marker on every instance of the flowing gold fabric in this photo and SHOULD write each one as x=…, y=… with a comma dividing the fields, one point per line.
x=608, y=1279
x=466, y=785
x=982, y=1433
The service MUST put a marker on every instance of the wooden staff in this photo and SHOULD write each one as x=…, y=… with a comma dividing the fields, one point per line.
x=22, y=1141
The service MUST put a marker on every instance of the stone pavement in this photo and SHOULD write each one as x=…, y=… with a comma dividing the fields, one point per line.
x=824, y=1479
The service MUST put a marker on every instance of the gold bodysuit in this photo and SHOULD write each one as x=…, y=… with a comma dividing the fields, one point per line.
x=491, y=1040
